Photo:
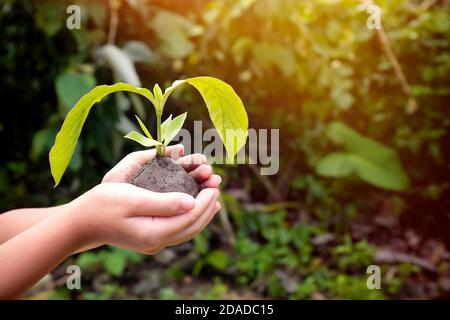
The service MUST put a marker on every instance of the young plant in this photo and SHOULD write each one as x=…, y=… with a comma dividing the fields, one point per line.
x=225, y=109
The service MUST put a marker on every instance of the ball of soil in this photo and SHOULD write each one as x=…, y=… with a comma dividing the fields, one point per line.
x=162, y=174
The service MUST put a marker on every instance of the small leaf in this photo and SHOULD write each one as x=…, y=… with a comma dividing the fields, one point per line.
x=173, y=127
x=157, y=92
x=143, y=127
x=164, y=127
x=139, y=138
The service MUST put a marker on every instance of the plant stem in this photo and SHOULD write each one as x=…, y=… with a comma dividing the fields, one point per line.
x=159, y=149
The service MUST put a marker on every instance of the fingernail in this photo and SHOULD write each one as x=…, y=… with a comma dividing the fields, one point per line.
x=187, y=202
x=219, y=178
x=218, y=206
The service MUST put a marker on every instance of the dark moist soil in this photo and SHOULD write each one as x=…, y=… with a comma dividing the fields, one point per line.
x=162, y=174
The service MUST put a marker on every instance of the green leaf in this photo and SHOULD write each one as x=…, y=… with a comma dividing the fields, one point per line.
x=339, y=165
x=157, y=92
x=336, y=165
x=66, y=139
x=367, y=159
x=139, y=138
x=132, y=256
x=173, y=31
x=172, y=128
x=164, y=126
x=271, y=54
x=71, y=86
x=48, y=18
x=42, y=142
x=354, y=142
x=115, y=262
x=226, y=110
x=144, y=128
x=218, y=259
x=88, y=261
x=138, y=51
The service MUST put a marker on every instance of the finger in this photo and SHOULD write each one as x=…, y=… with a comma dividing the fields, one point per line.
x=201, y=173
x=148, y=203
x=197, y=227
x=175, y=152
x=168, y=226
x=190, y=232
x=192, y=161
x=127, y=168
x=140, y=157
x=122, y=172
x=213, y=181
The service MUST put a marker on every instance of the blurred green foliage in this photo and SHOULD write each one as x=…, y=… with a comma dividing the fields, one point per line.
x=298, y=66
x=367, y=159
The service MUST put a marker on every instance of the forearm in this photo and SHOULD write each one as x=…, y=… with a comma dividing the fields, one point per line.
x=27, y=257
x=15, y=221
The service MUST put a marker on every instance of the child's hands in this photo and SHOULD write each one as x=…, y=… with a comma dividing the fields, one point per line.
x=130, y=217
x=114, y=212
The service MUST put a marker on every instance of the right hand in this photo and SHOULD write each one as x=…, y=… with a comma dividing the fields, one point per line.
x=133, y=218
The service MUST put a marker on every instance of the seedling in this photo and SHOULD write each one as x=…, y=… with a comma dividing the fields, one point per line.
x=225, y=109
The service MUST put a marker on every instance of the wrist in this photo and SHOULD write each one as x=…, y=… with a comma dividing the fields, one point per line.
x=64, y=223
x=79, y=215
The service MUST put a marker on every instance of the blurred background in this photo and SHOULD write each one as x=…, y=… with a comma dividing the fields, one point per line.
x=364, y=140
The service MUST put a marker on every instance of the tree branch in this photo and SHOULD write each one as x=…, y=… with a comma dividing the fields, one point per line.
x=113, y=21
x=387, y=48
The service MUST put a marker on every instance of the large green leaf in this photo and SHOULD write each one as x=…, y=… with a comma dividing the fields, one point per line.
x=368, y=148
x=336, y=165
x=225, y=108
x=66, y=139
x=367, y=159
